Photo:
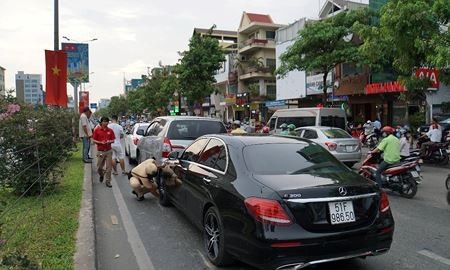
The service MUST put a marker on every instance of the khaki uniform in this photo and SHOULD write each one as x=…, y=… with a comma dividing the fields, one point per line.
x=142, y=178
x=104, y=158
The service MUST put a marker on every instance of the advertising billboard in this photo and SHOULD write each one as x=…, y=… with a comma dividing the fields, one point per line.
x=77, y=62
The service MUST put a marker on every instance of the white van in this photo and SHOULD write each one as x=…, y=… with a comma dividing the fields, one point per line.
x=303, y=117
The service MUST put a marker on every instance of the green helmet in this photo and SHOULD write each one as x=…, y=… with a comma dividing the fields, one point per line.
x=284, y=126
x=291, y=127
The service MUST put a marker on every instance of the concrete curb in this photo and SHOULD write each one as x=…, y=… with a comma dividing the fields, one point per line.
x=85, y=255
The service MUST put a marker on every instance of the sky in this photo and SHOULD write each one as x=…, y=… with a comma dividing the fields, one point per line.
x=132, y=35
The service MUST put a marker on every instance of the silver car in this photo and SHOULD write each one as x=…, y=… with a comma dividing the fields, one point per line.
x=174, y=133
x=343, y=146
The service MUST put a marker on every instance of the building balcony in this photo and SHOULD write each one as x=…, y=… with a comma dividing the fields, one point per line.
x=254, y=44
x=257, y=73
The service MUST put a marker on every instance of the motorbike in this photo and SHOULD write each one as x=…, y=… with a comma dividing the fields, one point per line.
x=402, y=177
x=447, y=185
x=370, y=140
x=437, y=153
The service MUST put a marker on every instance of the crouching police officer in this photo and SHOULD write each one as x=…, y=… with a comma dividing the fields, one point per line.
x=141, y=179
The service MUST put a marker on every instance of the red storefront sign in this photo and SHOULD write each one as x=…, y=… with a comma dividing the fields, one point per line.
x=386, y=87
x=432, y=74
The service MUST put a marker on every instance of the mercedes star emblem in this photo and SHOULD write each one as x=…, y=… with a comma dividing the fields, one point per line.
x=342, y=191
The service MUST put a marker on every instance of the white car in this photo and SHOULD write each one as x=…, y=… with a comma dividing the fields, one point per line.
x=337, y=141
x=132, y=139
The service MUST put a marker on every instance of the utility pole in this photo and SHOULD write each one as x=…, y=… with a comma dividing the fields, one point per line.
x=56, y=26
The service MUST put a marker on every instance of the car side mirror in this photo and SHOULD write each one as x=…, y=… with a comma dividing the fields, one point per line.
x=140, y=132
x=174, y=155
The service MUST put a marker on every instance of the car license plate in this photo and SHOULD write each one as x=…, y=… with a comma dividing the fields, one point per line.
x=414, y=174
x=341, y=212
x=349, y=148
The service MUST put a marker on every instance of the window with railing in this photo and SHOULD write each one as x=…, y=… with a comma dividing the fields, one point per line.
x=271, y=92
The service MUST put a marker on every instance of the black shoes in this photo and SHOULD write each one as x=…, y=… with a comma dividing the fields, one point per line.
x=101, y=179
x=137, y=197
x=108, y=185
x=87, y=161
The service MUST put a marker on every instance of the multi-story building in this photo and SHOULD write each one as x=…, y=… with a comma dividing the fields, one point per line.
x=2, y=81
x=332, y=7
x=29, y=88
x=227, y=39
x=256, y=64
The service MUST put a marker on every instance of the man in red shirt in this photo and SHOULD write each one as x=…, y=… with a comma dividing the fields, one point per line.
x=104, y=137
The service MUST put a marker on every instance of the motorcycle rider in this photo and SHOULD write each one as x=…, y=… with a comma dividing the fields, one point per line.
x=404, y=144
x=390, y=146
x=291, y=130
x=284, y=129
x=237, y=128
x=435, y=136
x=368, y=128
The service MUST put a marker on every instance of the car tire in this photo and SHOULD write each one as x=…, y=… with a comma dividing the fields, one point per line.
x=162, y=188
x=214, y=238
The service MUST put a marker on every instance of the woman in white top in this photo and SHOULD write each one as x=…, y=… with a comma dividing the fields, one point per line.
x=404, y=144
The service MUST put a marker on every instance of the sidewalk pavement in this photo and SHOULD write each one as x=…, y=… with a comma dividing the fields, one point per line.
x=85, y=255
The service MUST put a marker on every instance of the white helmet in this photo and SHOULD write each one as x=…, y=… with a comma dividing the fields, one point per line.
x=369, y=122
x=236, y=122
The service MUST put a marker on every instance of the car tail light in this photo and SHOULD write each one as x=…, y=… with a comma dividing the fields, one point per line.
x=136, y=141
x=384, y=205
x=167, y=148
x=331, y=146
x=267, y=211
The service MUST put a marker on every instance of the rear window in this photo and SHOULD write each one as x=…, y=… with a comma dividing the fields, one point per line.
x=332, y=121
x=297, y=121
x=336, y=134
x=192, y=129
x=283, y=159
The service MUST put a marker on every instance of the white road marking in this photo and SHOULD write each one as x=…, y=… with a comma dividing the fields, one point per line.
x=143, y=260
x=435, y=257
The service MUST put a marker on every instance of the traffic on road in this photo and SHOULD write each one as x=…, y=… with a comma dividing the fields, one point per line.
x=283, y=202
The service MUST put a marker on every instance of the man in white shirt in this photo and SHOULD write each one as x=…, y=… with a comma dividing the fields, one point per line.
x=85, y=133
x=435, y=136
x=117, y=145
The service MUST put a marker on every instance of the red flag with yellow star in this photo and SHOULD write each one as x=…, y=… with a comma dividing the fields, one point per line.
x=56, y=78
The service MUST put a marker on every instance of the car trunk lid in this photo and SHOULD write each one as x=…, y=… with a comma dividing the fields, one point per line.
x=310, y=197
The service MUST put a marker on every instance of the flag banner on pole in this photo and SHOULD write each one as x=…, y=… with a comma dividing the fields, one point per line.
x=56, y=78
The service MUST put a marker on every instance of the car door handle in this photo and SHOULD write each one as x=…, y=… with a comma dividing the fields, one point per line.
x=207, y=180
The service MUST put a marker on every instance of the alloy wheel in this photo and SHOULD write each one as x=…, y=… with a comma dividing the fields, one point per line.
x=212, y=238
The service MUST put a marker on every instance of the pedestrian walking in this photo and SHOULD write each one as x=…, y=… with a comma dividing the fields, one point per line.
x=104, y=138
x=117, y=148
x=85, y=132
x=141, y=179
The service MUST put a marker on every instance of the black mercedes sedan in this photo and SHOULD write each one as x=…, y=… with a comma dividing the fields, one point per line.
x=276, y=202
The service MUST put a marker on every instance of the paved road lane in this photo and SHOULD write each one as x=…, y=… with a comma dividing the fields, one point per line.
x=421, y=239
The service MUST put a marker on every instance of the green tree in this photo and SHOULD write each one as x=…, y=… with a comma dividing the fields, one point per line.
x=197, y=67
x=118, y=105
x=321, y=46
x=411, y=34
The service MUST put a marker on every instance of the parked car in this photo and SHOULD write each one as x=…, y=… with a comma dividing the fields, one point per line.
x=174, y=133
x=341, y=144
x=303, y=117
x=276, y=202
x=132, y=139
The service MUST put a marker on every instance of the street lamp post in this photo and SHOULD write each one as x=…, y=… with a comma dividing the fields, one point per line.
x=56, y=26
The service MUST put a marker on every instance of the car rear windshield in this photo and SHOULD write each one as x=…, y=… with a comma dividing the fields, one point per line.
x=192, y=129
x=336, y=134
x=290, y=158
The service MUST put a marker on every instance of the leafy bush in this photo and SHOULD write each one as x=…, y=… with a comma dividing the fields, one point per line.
x=32, y=142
